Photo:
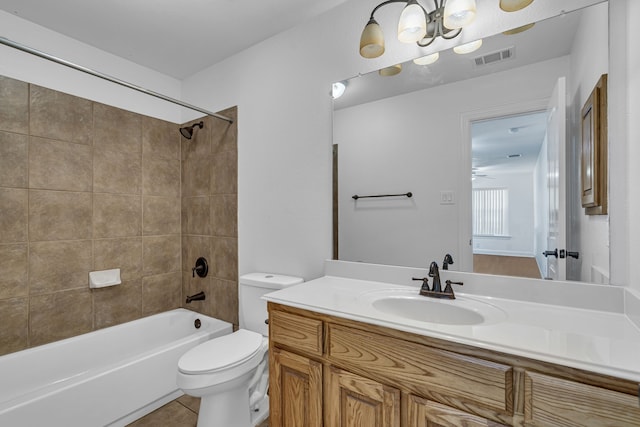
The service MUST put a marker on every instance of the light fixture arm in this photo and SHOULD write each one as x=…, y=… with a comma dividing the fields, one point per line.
x=384, y=3
x=433, y=19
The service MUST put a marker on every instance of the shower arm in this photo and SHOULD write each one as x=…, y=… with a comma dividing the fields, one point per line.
x=107, y=77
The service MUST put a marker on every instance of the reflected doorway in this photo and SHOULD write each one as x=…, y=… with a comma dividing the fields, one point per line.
x=509, y=194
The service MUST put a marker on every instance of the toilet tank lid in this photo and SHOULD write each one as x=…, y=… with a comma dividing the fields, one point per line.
x=269, y=280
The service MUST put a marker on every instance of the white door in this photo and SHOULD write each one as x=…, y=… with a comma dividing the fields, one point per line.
x=556, y=136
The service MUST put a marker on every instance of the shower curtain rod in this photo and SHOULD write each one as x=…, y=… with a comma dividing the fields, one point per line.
x=98, y=74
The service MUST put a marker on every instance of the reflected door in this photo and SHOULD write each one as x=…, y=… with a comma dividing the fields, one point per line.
x=556, y=143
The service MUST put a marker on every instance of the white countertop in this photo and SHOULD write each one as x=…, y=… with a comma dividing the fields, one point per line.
x=598, y=341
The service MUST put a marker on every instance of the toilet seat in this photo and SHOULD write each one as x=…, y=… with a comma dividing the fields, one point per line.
x=222, y=353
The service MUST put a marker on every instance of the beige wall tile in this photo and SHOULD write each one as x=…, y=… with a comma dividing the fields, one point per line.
x=13, y=215
x=14, y=108
x=13, y=271
x=224, y=300
x=59, y=165
x=122, y=253
x=200, y=144
x=196, y=215
x=160, y=254
x=116, y=215
x=224, y=173
x=224, y=134
x=56, y=115
x=14, y=332
x=191, y=286
x=117, y=172
x=196, y=177
x=224, y=256
x=59, y=215
x=160, y=139
x=160, y=177
x=161, y=215
x=224, y=215
x=13, y=159
x=116, y=129
x=161, y=292
x=60, y=315
x=194, y=247
x=56, y=266
x=117, y=304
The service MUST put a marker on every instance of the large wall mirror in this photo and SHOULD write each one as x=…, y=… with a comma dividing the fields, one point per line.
x=488, y=145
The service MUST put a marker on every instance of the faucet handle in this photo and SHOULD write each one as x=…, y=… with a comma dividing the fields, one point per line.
x=449, y=290
x=425, y=282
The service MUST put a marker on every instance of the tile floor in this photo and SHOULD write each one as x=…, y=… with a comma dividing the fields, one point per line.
x=182, y=412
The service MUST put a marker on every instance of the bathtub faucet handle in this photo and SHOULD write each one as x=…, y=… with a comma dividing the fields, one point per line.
x=201, y=268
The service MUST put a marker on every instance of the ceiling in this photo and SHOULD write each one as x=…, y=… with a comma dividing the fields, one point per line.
x=175, y=37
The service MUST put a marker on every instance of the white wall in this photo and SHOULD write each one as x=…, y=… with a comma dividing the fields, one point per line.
x=588, y=234
x=624, y=132
x=281, y=88
x=633, y=159
x=414, y=142
x=520, y=242
x=29, y=68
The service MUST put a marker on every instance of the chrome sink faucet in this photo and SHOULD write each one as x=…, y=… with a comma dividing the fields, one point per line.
x=436, y=291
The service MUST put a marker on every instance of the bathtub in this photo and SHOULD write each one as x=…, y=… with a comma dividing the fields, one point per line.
x=108, y=377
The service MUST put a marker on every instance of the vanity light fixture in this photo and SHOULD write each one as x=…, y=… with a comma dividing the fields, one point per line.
x=518, y=29
x=427, y=60
x=514, y=5
x=337, y=89
x=390, y=71
x=419, y=26
x=468, y=47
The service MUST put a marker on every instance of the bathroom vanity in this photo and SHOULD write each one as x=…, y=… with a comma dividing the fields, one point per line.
x=339, y=359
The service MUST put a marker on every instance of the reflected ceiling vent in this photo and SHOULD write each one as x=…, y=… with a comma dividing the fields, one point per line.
x=494, y=57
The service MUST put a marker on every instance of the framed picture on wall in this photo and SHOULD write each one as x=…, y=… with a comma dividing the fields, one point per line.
x=593, y=172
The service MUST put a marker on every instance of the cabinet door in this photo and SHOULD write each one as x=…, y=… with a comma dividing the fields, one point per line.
x=295, y=390
x=426, y=413
x=557, y=402
x=355, y=401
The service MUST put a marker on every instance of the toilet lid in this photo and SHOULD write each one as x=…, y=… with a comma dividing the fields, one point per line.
x=221, y=353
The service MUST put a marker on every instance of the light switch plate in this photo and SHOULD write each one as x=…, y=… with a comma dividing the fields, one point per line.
x=447, y=197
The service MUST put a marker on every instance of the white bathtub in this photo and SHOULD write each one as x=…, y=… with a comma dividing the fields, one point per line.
x=112, y=376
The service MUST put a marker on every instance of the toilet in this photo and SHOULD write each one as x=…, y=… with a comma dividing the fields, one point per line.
x=230, y=373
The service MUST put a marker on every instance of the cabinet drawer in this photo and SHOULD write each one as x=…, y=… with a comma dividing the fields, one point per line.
x=553, y=401
x=298, y=332
x=439, y=375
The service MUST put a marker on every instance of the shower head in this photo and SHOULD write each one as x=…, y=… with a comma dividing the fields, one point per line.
x=187, y=131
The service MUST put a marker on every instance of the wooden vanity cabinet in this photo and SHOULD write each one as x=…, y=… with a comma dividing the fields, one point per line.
x=427, y=413
x=334, y=372
x=295, y=390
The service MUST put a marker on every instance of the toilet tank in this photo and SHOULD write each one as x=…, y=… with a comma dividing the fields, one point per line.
x=253, y=309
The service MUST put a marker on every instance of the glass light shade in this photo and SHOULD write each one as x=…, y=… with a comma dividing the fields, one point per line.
x=412, y=25
x=514, y=5
x=426, y=60
x=468, y=47
x=390, y=71
x=458, y=13
x=337, y=89
x=371, y=40
x=518, y=29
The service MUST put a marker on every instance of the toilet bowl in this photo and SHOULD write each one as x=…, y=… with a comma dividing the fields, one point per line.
x=230, y=373
x=220, y=371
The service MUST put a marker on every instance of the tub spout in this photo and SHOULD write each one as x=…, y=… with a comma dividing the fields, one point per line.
x=196, y=297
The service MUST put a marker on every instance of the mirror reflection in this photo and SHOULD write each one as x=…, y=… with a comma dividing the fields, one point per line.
x=462, y=130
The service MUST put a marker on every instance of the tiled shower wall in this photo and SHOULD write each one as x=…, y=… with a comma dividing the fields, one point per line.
x=83, y=187
x=209, y=216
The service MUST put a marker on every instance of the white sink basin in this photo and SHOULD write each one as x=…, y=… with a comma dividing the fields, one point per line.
x=409, y=305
